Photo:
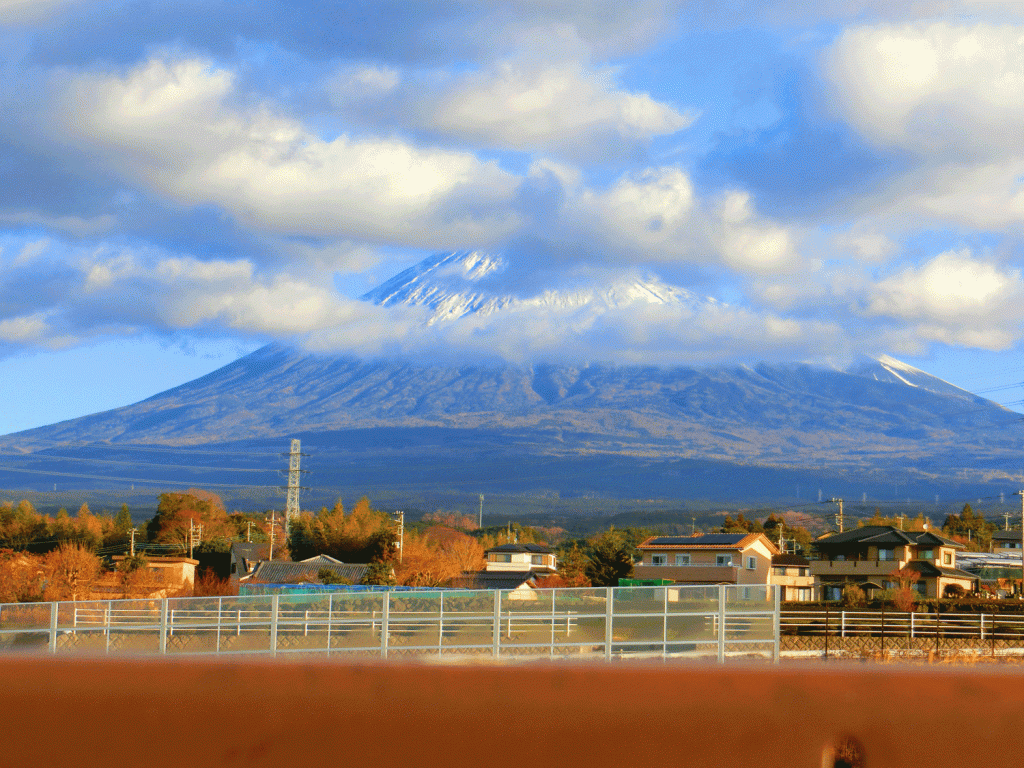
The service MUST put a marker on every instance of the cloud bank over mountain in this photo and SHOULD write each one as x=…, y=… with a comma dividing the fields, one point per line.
x=827, y=181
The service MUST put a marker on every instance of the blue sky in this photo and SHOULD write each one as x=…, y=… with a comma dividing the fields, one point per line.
x=185, y=181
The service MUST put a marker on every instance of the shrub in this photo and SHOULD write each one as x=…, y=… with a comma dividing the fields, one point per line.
x=854, y=597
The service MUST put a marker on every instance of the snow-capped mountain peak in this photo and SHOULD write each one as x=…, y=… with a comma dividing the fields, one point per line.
x=456, y=284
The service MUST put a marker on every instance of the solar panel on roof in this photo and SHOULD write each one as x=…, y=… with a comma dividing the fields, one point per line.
x=712, y=539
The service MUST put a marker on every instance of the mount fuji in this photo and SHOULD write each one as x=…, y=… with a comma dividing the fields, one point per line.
x=879, y=429
x=453, y=285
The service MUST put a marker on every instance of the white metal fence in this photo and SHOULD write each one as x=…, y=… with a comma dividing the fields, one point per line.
x=672, y=621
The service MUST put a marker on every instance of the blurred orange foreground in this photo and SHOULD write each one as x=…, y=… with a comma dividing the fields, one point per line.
x=198, y=713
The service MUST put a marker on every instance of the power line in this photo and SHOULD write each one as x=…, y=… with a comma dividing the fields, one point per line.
x=132, y=480
x=40, y=456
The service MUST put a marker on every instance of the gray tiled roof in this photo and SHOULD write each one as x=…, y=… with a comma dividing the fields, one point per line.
x=883, y=535
x=492, y=580
x=287, y=572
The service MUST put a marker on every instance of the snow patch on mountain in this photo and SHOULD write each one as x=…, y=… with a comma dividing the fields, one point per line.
x=449, y=285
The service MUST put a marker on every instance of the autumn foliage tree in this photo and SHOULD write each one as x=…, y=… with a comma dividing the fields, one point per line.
x=180, y=515
x=22, y=577
x=362, y=536
x=71, y=570
x=437, y=555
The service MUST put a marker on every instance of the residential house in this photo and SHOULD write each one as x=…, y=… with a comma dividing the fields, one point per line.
x=716, y=558
x=167, y=575
x=511, y=566
x=1007, y=543
x=868, y=556
x=246, y=555
x=516, y=558
x=793, y=575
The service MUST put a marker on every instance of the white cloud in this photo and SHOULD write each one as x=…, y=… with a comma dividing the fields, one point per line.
x=948, y=97
x=657, y=217
x=937, y=89
x=954, y=298
x=558, y=107
x=177, y=128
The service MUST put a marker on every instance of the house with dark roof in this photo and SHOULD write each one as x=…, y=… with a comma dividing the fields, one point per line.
x=511, y=566
x=714, y=558
x=868, y=556
x=303, y=572
x=1007, y=543
x=525, y=580
x=521, y=558
x=245, y=555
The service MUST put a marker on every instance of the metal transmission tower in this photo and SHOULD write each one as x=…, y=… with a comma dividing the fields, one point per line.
x=291, y=508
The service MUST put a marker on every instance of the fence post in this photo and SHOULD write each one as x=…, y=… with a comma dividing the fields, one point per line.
x=609, y=606
x=551, y=648
x=721, y=623
x=938, y=620
x=275, y=603
x=496, y=635
x=163, y=625
x=912, y=635
x=220, y=610
x=777, y=622
x=53, y=627
x=664, y=622
x=440, y=621
x=106, y=628
x=826, y=629
x=330, y=619
x=385, y=623
x=881, y=633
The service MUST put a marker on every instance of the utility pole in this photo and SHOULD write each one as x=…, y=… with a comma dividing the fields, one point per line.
x=1021, y=494
x=273, y=524
x=291, y=508
x=400, y=522
x=693, y=525
x=901, y=520
x=839, y=516
x=191, y=535
x=481, y=523
x=1006, y=521
x=132, y=550
x=248, y=532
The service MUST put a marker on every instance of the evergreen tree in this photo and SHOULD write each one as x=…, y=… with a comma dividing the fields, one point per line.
x=611, y=559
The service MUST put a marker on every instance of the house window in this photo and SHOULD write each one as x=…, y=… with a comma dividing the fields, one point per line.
x=886, y=554
x=501, y=558
x=723, y=560
x=803, y=593
x=659, y=559
x=682, y=559
x=537, y=559
x=779, y=570
x=947, y=558
x=926, y=554
x=839, y=558
x=751, y=563
x=803, y=572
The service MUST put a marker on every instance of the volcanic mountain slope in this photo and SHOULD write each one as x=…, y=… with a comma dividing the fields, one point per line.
x=879, y=416
x=779, y=415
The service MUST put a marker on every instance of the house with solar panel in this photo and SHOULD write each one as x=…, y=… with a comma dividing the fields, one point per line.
x=720, y=558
